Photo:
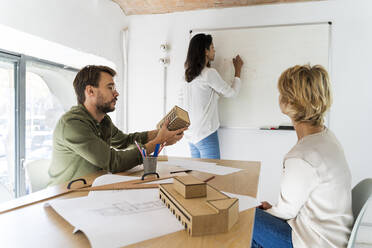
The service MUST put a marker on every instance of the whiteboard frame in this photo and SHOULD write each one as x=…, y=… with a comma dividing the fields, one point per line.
x=261, y=26
x=330, y=47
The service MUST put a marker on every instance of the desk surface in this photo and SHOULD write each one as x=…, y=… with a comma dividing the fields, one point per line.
x=38, y=226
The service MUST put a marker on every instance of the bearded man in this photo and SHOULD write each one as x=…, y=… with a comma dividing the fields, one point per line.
x=85, y=140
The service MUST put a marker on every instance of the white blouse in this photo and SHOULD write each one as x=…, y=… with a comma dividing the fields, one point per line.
x=200, y=99
x=315, y=196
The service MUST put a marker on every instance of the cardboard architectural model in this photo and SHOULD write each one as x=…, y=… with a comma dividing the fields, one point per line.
x=200, y=208
x=178, y=118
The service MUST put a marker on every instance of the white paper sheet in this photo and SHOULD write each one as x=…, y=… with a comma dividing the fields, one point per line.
x=245, y=202
x=212, y=168
x=110, y=178
x=118, y=218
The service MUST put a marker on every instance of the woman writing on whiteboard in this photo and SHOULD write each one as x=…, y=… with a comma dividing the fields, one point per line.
x=200, y=93
x=314, y=206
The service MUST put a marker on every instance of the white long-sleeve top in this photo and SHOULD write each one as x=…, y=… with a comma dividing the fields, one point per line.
x=200, y=99
x=315, y=196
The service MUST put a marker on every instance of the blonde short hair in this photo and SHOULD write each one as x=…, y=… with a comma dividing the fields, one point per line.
x=305, y=92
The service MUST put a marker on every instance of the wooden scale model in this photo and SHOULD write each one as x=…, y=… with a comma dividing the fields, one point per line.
x=201, y=208
x=178, y=118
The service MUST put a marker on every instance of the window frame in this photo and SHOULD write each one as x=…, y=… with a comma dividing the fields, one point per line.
x=20, y=62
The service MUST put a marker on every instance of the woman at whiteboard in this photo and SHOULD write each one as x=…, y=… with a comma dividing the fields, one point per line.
x=314, y=206
x=200, y=93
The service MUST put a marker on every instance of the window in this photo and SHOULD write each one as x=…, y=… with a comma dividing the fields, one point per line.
x=8, y=69
x=34, y=94
x=49, y=93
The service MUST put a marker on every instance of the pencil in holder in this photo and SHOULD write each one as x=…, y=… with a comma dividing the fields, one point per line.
x=149, y=166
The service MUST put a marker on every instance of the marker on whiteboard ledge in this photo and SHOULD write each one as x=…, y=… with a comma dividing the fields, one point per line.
x=285, y=127
x=280, y=127
x=269, y=128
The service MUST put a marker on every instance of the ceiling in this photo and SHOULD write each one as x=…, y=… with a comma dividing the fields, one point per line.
x=141, y=7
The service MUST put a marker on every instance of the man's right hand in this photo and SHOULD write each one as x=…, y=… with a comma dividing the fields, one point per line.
x=174, y=140
x=164, y=136
x=169, y=137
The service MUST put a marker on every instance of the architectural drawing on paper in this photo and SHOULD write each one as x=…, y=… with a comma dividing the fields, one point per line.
x=126, y=208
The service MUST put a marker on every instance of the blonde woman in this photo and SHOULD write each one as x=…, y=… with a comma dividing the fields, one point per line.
x=314, y=206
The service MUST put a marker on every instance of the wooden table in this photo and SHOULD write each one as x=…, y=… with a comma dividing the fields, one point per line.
x=36, y=225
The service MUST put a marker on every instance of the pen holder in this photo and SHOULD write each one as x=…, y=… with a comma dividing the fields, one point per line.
x=149, y=166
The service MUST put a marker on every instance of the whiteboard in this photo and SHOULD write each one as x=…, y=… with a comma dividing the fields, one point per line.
x=266, y=51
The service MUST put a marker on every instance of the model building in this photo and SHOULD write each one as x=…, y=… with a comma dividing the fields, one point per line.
x=200, y=208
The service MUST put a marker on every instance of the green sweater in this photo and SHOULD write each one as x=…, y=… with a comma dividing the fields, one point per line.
x=81, y=146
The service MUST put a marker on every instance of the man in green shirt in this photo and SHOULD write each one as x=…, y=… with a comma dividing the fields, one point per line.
x=85, y=140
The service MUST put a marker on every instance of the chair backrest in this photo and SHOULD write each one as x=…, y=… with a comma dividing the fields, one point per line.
x=360, y=194
x=37, y=172
x=5, y=195
x=354, y=231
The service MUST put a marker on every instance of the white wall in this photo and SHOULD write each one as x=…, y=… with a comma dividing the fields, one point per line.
x=91, y=26
x=350, y=66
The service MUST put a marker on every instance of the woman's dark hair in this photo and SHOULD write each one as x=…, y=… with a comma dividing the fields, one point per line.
x=195, y=60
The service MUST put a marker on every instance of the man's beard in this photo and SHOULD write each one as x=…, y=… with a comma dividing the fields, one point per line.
x=105, y=107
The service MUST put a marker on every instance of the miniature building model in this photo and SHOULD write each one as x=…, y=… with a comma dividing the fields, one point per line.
x=190, y=187
x=178, y=118
x=201, y=208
